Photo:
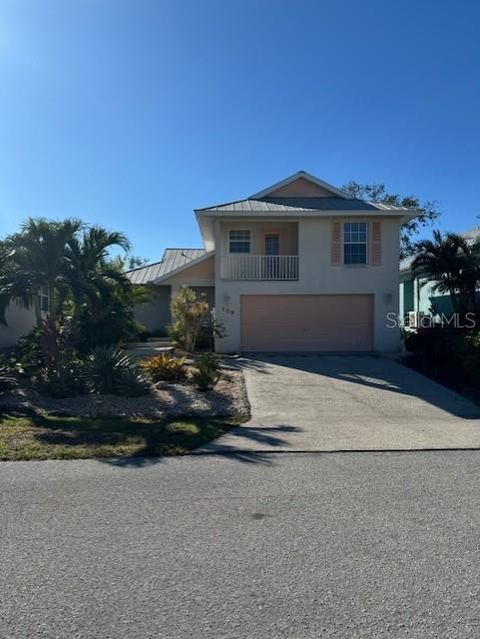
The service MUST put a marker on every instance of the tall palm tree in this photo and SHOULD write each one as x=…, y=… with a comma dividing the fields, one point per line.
x=92, y=275
x=453, y=267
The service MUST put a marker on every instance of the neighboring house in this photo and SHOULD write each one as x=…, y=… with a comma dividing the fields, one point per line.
x=300, y=266
x=418, y=295
x=20, y=321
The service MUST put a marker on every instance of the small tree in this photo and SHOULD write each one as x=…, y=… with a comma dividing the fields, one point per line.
x=188, y=310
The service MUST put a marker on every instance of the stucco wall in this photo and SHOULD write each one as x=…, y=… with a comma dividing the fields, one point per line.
x=201, y=274
x=318, y=276
x=20, y=322
x=155, y=315
x=288, y=232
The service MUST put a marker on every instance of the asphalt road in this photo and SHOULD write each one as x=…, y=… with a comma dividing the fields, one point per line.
x=294, y=545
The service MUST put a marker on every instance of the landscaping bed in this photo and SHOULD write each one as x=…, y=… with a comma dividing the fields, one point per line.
x=228, y=398
x=449, y=357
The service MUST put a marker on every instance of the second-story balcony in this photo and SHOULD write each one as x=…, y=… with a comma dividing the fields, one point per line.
x=259, y=267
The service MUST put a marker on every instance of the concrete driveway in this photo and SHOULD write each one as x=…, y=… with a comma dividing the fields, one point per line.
x=347, y=402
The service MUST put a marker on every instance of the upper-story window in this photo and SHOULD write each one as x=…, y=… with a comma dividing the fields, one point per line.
x=239, y=242
x=355, y=243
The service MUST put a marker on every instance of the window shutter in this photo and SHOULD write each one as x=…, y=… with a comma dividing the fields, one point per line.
x=376, y=246
x=336, y=246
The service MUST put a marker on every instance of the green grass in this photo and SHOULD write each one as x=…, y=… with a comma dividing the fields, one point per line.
x=42, y=437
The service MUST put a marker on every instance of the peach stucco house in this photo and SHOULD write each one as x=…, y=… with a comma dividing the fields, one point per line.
x=299, y=266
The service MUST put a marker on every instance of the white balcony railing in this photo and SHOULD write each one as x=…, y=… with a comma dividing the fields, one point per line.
x=259, y=267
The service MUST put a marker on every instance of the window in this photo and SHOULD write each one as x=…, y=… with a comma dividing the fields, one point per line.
x=239, y=241
x=355, y=243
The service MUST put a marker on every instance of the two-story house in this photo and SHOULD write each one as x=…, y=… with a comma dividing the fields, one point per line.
x=299, y=266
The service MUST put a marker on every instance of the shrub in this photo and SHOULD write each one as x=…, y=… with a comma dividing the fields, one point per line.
x=8, y=380
x=209, y=330
x=165, y=367
x=189, y=311
x=61, y=382
x=471, y=365
x=438, y=347
x=132, y=383
x=207, y=373
x=28, y=356
x=111, y=371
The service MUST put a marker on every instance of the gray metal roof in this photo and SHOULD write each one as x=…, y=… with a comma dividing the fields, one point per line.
x=406, y=262
x=172, y=260
x=472, y=235
x=302, y=204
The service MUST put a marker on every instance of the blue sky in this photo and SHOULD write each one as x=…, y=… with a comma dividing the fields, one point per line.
x=131, y=114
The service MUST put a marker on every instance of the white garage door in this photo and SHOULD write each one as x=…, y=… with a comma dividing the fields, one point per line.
x=306, y=323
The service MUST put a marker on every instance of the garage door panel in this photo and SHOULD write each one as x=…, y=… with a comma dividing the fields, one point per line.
x=306, y=322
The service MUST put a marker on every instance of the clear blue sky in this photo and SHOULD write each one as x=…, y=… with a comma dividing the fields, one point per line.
x=130, y=114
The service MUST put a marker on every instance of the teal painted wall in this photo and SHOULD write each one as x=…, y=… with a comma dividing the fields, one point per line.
x=418, y=295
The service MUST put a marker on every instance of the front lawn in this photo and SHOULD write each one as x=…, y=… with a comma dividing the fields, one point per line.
x=47, y=437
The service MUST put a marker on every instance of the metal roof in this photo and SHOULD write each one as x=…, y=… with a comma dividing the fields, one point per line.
x=406, y=262
x=173, y=258
x=301, y=204
x=472, y=235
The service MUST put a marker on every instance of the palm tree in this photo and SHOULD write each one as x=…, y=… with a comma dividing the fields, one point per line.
x=34, y=259
x=94, y=278
x=453, y=266
x=68, y=260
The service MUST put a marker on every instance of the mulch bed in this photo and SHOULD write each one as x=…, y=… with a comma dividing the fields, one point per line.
x=227, y=399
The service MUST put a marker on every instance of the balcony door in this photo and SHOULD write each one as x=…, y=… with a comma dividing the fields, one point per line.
x=272, y=251
x=272, y=244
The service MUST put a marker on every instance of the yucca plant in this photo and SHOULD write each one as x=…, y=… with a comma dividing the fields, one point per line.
x=112, y=371
x=164, y=367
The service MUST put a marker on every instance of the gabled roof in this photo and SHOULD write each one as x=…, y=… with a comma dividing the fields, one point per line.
x=302, y=205
x=300, y=175
x=172, y=260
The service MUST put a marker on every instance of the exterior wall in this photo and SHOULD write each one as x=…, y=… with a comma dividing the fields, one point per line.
x=429, y=299
x=198, y=275
x=288, y=232
x=301, y=188
x=407, y=298
x=418, y=294
x=155, y=315
x=318, y=276
x=20, y=321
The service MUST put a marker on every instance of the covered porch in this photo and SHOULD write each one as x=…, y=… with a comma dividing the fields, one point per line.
x=256, y=251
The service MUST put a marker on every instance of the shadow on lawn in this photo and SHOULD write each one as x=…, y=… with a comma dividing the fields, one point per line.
x=117, y=441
